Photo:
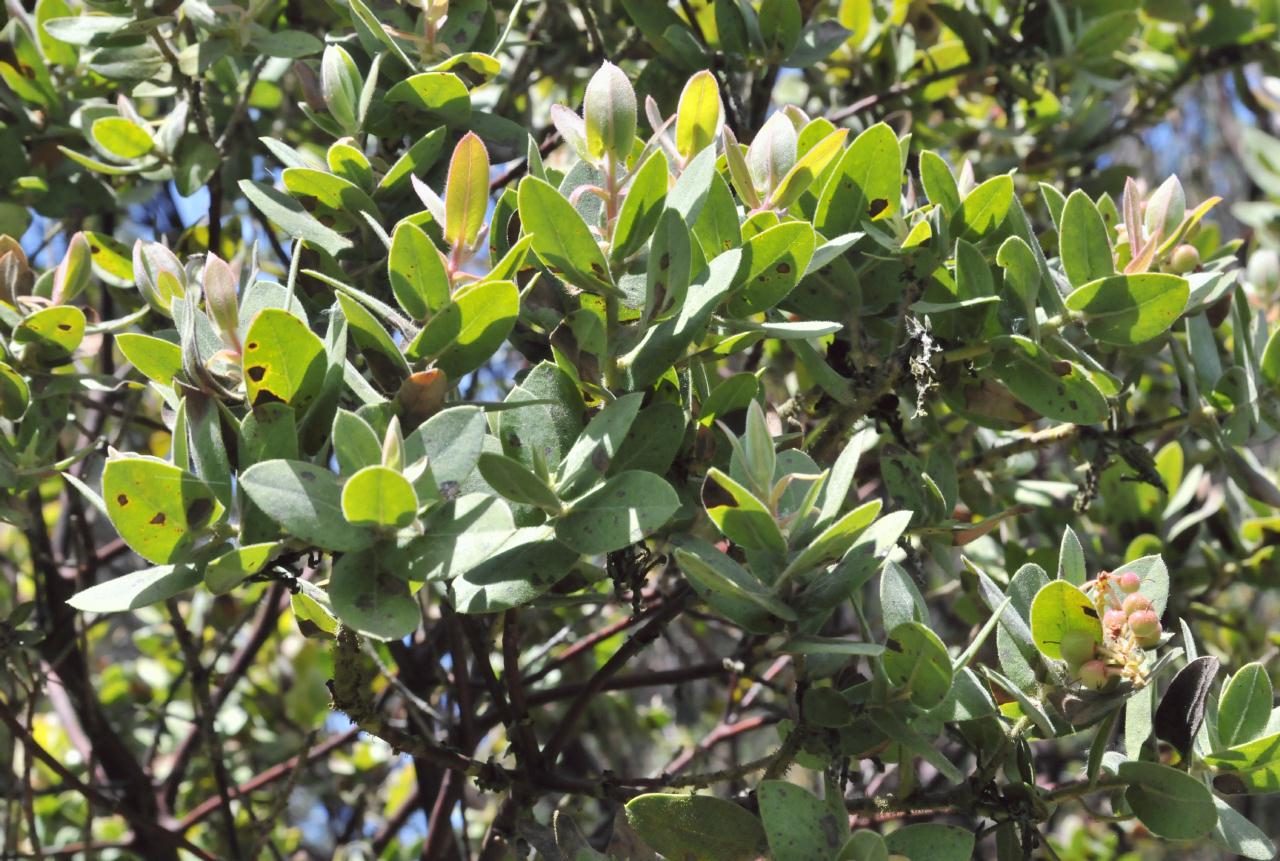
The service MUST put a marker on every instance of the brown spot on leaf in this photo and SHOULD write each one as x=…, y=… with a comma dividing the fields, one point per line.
x=65, y=327
x=122, y=500
x=783, y=268
x=266, y=396
x=159, y=519
x=256, y=372
x=198, y=512
x=716, y=496
x=665, y=261
x=877, y=206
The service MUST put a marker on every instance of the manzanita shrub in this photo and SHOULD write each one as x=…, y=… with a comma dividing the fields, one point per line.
x=919, y=466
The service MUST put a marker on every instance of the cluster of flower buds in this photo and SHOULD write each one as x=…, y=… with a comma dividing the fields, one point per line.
x=1129, y=625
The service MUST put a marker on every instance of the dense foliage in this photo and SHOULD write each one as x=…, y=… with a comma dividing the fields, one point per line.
x=427, y=431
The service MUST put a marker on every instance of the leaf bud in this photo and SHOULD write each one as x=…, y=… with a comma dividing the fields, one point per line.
x=220, y=297
x=72, y=274
x=609, y=112
x=159, y=275
x=1166, y=208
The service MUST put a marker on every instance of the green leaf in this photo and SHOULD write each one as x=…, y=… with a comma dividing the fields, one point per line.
x=692, y=187
x=340, y=199
x=931, y=842
x=1250, y=767
x=663, y=344
x=355, y=443
x=416, y=161
x=452, y=439
x=916, y=661
x=441, y=96
x=1060, y=607
x=596, y=447
x=417, y=273
x=470, y=329
x=113, y=261
x=466, y=195
x=810, y=166
x=1239, y=836
x=641, y=207
x=53, y=333
x=459, y=536
x=366, y=595
x=195, y=161
x=1055, y=388
x=799, y=825
x=386, y=362
x=866, y=183
x=864, y=845
x=730, y=395
x=283, y=360
x=625, y=509
x=1071, y=563
x=742, y=518
x=772, y=263
x=523, y=567
x=1245, y=705
x=669, y=268
x=727, y=586
x=121, y=137
x=157, y=508
x=1269, y=365
x=834, y=541
x=983, y=209
x=699, y=116
x=340, y=85
x=290, y=216
x=517, y=482
x=1083, y=243
x=225, y=572
x=138, y=589
x=939, y=184
x=1170, y=803
x=1021, y=271
x=561, y=238
x=696, y=827
x=380, y=497
x=306, y=500
x=15, y=394
x=1130, y=309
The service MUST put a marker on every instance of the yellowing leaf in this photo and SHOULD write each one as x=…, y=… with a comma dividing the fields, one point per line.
x=283, y=360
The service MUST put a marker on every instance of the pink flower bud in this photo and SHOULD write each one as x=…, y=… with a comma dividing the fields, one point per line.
x=1145, y=625
x=1129, y=582
x=1135, y=603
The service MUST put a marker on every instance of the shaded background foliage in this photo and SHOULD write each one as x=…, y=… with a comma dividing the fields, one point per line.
x=1074, y=95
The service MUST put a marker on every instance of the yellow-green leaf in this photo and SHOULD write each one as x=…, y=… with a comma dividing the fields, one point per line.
x=156, y=507
x=283, y=360
x=466, y=192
